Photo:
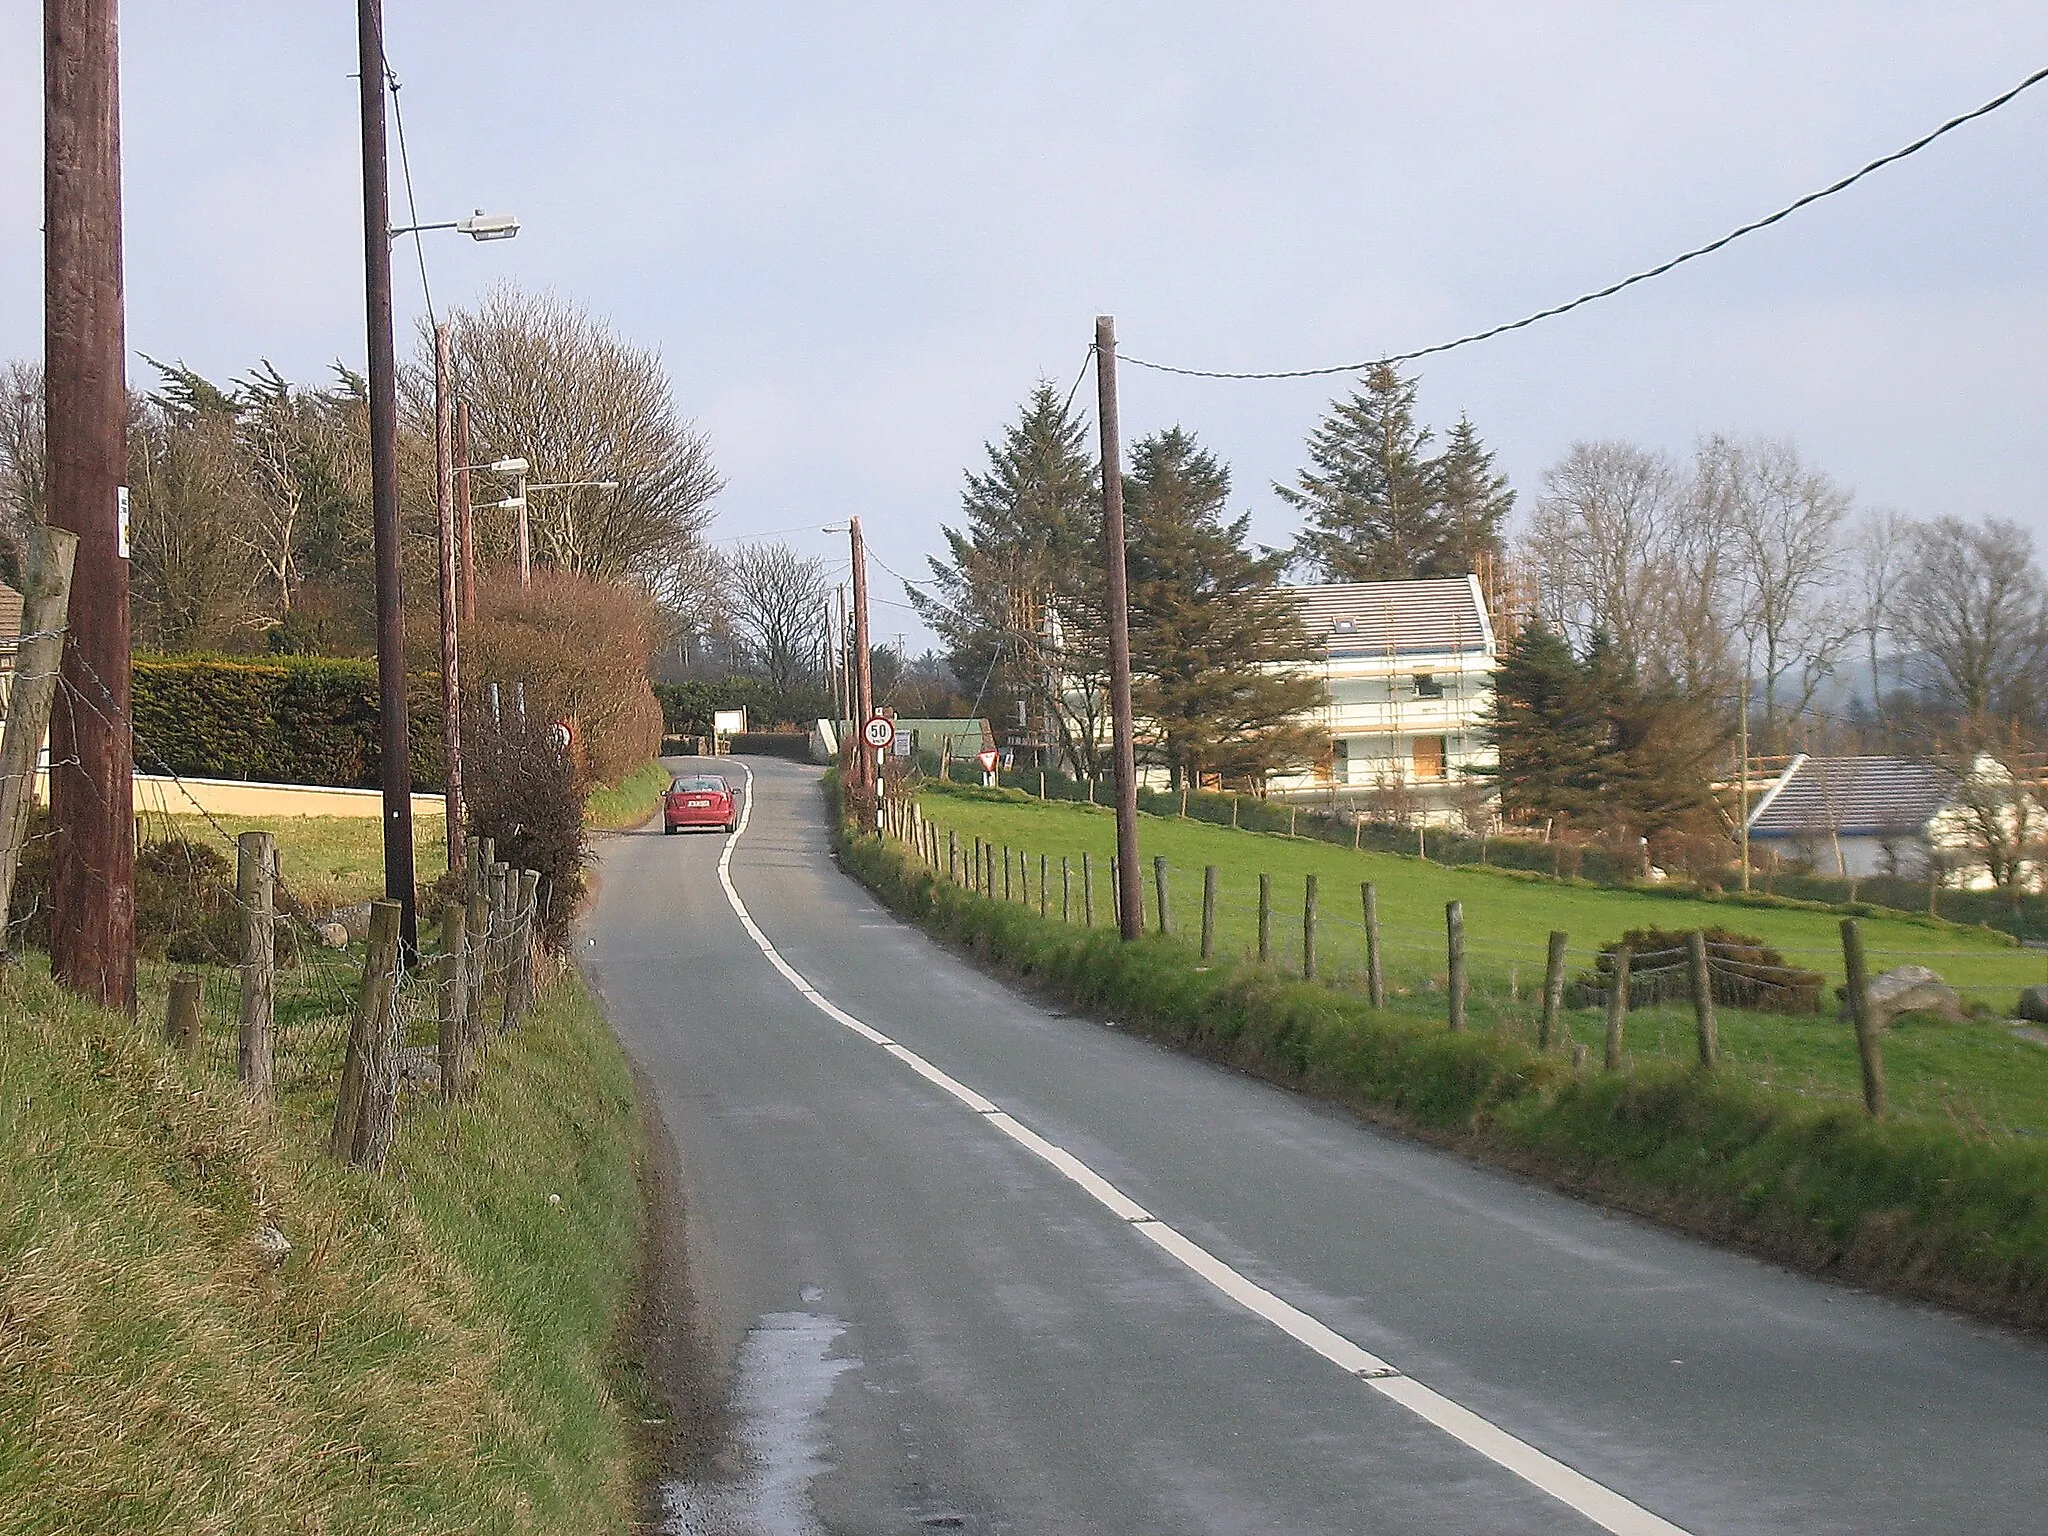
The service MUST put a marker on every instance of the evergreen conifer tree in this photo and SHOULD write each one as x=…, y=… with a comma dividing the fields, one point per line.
x=1370, y=496
x=1212, y=634
x=1019, y=602
x=1475, y=499
x=1549, y=729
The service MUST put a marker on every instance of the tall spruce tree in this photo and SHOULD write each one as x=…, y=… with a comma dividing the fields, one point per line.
x=1215, y=645
x=1475, y=500
x=1549, y=728
x=1370, y=495
x=1018, y=603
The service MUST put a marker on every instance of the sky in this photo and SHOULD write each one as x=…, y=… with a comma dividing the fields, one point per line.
x=859, y=235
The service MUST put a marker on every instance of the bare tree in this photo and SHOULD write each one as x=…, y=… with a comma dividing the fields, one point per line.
x=776, y=600
x=1878, y=557
x=1781, y=524
x=1973, y=609
x=548, y=382
x=193, y=581
x=1623, y=545
x=24, y=461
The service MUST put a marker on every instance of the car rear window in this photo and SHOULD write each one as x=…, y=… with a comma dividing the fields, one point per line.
x=699, y=786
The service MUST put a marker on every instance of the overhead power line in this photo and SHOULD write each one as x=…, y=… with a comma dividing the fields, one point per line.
x=1627, y=282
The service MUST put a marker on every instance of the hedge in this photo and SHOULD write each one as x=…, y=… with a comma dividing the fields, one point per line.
x=282, y=720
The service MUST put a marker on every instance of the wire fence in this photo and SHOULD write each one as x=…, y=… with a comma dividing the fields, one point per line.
x=1787, y=1011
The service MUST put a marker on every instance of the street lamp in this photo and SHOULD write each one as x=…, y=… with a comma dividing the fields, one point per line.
x=478, y=226
x=516, y=502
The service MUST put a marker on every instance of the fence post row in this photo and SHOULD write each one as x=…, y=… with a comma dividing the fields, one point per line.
x=1454, y=934
x=1869, y=1039
x=1617, y=1008
x=366, y=1071
x=1553, y=989
x=1703, y=999
x=1375, y=970
x=256, y=895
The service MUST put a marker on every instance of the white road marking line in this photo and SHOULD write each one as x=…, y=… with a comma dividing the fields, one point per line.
x=1607, y=1509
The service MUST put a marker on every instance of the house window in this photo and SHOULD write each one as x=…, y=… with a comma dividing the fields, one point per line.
x=1429, y=757
x=1427, y=687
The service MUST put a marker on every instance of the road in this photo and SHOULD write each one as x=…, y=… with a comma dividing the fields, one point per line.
x=928, y=1315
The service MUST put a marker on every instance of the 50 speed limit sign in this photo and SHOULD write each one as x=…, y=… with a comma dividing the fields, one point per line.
x=879, y=731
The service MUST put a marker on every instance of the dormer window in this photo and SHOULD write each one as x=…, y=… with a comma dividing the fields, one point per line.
x=1344, y=627
x=1427, y=687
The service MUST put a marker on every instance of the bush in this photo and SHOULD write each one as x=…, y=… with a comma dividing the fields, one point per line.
x=523, y=791
x=795, y=745
x=687, y=708
x=285, y=720
x=579, y=648
x=1742, y=970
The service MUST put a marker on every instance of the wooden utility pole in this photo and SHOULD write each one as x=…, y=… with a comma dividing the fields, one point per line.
x=394, y=733
x=1123, y=749
x=92, y=784
x=464, y=516
x=863, y=682
x=444, y=503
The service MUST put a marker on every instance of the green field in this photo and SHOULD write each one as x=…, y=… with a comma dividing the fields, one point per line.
x=1978, y=1074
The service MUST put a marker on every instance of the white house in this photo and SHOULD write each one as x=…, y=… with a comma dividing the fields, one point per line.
x=1409, y=668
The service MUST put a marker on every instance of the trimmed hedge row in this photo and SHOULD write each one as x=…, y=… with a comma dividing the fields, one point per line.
x=1908, y=1206
x=284, y=720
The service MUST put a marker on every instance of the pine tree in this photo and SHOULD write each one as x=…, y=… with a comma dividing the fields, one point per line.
x=1215, y=646
x=1476, y=500
x=1371, y=498
x=1549, y=728
x=1018, y=603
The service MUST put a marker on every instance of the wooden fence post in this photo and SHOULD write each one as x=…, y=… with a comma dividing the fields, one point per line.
x=183, y=1021
x=1208, y=911
x=1044, y=884
x=451, y=986
x=1454, y=933
x=1617, y=1008
x=1006, y=872
x=1869, y=1038
x=256, y=895
x=366, y=1072
x=476, y=939
x=1087, y=889
x=1703, y=999
x=952, y=857
x=1553, y=989
x=1308, y=929
x=1066, y=890
x=503, y=888
x=525, y=904
x=1265, y=919
x=1159, y=881
x=1375, y=967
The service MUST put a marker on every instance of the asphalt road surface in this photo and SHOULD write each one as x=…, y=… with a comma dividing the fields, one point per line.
x=963, y=1262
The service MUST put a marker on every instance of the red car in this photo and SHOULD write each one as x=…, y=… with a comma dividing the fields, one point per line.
x=699, y=800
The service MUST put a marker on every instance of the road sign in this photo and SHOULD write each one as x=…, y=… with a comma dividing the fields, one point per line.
x=879, y=731
x=988, y=761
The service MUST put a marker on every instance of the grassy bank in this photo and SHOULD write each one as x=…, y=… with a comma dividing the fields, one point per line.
x=1932, y=1206
x=635, y=798
x=435, y=1353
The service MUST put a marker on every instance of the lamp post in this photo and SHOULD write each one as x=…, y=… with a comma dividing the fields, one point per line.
x=518, y=501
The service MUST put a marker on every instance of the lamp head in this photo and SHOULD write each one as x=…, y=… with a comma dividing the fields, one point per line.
x=488, y=226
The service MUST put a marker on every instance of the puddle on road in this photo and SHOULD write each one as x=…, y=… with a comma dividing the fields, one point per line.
x=784, y=1377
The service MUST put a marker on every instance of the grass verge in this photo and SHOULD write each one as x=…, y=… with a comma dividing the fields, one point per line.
x=1936, y=1210
x=439, y=1351
x=635, y=798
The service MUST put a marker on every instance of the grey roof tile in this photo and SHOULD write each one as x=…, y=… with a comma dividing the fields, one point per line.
x=1853, y=797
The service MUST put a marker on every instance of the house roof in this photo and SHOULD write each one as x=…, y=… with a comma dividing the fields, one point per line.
x=1852, y=797
x=1438, y=617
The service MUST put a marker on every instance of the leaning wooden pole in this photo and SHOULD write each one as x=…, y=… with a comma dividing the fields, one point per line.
x=48, y=580
x=450, y=553
x=85, y=406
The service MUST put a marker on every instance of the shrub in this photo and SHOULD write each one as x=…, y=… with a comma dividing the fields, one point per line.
x=1743, y=971
x=579, y=648
x=524, y=791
